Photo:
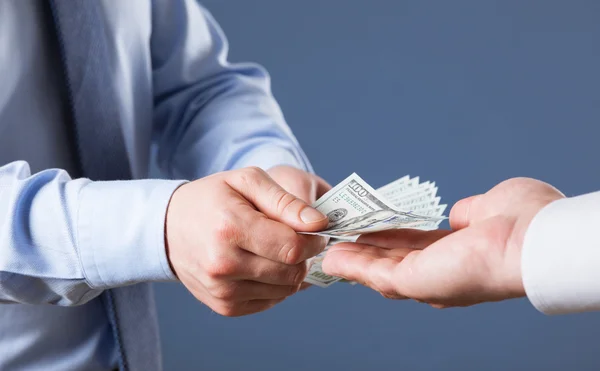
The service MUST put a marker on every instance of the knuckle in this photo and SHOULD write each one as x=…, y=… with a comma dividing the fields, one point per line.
x=255, y=171
x=225, y=292
x=297, y=274
x=291, y=252
x=219, y=267
x=252, y=175
x=284, y=200
x=226, y=229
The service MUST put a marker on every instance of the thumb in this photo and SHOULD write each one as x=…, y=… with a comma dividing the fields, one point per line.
x=268, y=197
x=460, y=215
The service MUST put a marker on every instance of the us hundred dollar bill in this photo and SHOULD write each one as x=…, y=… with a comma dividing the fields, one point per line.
x=354, y=208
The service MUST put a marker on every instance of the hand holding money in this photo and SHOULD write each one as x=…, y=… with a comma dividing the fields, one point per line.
x=479, y=261
x=240, y=252
x=354, y=208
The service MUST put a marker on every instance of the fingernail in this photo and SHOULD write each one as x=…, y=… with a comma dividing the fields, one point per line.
x=310, y=215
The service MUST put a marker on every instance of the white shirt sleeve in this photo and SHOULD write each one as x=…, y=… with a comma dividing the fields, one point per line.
x=561, y=256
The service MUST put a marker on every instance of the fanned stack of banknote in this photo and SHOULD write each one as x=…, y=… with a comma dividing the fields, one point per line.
x=355, y=208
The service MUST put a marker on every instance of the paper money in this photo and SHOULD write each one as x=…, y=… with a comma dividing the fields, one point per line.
x=354, y=208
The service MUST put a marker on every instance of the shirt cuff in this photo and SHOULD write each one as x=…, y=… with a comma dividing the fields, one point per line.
x=121, y=229
x=266, y=157
x=561, y=256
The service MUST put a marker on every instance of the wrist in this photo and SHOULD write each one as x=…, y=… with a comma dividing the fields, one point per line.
x=168, y=233
x=514, y=245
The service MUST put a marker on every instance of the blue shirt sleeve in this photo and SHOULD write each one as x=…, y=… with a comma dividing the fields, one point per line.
x=211, y=115
x=63, y=241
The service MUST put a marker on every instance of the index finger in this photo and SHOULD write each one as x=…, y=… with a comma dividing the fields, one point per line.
x=276, y=241
x=371, y=266
x=403, y=238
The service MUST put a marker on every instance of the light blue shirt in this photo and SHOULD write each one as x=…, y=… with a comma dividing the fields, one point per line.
x=63, y=240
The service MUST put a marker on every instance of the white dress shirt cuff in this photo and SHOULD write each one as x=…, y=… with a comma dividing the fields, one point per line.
x=121, y=229
x=561, y=256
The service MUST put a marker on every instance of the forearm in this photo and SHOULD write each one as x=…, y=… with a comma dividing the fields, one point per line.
x=233, y=131
x=211, y=115
x=63, y=241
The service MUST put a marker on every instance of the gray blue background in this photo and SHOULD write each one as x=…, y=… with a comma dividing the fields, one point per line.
x=463, y=93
